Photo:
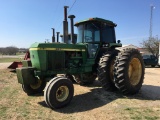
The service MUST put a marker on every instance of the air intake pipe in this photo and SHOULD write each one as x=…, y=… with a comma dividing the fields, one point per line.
x=72, y=28
x=58, y=37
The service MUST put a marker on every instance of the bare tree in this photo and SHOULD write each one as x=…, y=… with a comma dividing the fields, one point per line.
x=151, y=45
x=11, y=50
x=3, y=50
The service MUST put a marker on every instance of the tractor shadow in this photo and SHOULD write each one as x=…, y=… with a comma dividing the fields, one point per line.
x=149, y=92
x=98, y=97
x=87, y=101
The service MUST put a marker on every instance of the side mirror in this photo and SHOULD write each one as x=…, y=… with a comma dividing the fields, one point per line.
x=118, y=41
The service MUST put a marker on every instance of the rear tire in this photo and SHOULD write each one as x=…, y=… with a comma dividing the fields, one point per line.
x=129, y=71
x=105, y=70
x=59, y=92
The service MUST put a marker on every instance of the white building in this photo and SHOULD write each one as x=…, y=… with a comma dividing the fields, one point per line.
x=159, y=55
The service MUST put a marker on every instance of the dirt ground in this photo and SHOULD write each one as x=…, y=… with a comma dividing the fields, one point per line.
x=5, y=65
x=89, y=102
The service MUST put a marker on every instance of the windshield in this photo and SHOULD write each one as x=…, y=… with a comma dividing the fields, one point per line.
x=89, y=32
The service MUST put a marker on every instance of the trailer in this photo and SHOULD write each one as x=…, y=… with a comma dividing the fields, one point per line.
x=18, y=64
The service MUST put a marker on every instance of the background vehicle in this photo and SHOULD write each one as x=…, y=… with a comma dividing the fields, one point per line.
x=92, y=55
x=150, y=60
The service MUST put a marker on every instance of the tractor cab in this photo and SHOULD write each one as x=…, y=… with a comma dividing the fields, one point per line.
x=96, y=30
x=96, y=33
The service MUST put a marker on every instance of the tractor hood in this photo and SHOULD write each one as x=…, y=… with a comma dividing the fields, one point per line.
x=53, y=56
x=58, y=47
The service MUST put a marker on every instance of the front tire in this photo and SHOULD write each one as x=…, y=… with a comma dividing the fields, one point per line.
x=129, y=71
x=59, y=92
x=36, y=88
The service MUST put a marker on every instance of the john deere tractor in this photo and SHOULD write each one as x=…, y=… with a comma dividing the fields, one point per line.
x=94, y=54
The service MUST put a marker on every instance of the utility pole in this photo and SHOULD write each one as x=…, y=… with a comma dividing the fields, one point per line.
x=151, y=22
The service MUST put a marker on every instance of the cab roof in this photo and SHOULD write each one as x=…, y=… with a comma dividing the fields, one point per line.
x=97, y=20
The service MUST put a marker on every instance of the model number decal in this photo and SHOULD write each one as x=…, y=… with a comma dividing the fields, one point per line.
x=58, y=49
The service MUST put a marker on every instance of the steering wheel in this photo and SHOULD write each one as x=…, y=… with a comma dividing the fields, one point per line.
x=88, y=38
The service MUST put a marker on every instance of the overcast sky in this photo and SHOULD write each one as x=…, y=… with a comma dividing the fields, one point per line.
x=23, y=22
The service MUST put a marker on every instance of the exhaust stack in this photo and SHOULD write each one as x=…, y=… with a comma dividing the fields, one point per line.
x=53, y=36
x=72, y=28
x=65, y=25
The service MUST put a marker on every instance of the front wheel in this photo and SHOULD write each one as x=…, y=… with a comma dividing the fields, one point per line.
x=32, y=89
x=59, y=92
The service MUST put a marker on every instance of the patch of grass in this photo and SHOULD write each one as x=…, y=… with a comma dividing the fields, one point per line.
x=136, y=118
x=142, y=113
x=20, y=53
x=4, y=60
x=151, y=117
x=8, y=93
x=3, y=111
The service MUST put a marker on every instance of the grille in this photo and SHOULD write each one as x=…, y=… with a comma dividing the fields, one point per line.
x=56, y=60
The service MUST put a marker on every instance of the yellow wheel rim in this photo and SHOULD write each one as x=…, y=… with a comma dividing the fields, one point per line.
x=135, y=71
x=37, y=85
x=62, y=93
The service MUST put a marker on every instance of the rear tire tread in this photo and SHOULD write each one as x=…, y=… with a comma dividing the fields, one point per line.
x=121, y=73
x=104, y=70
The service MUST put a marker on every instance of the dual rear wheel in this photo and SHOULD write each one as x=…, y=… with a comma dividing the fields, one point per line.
x=123, y=70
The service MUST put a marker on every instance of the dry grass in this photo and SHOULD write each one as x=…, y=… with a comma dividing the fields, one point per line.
x=89, y=103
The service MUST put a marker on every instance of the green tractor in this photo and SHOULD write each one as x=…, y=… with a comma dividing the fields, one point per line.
x=94, y=54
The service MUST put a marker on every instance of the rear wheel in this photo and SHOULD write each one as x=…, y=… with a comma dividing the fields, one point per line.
x=105, y=70
x=152, y=65
x=129, y=71
x=32, y=89
x=59, y=92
